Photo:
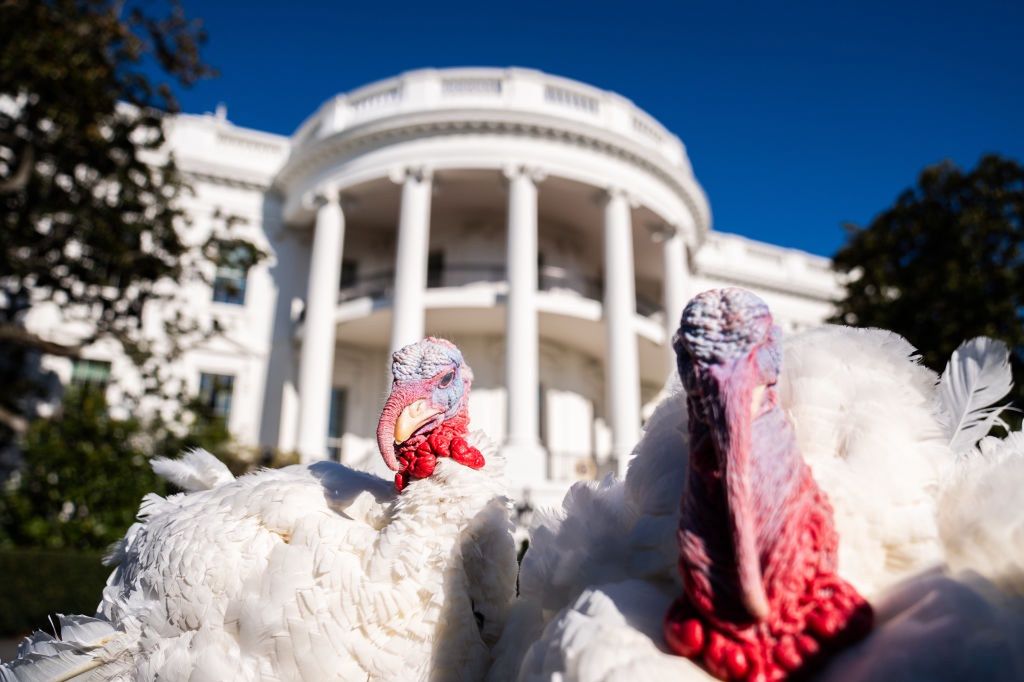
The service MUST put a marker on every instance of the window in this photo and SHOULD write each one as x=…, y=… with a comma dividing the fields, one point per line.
x=229, y=282
x=349, y=273
x=215, y=391
x=336, y=423
x=435, y=268
x=90, y=373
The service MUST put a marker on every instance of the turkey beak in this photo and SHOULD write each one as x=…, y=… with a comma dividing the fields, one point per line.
x=732, y=413
x=412, y=417
x=402, y=415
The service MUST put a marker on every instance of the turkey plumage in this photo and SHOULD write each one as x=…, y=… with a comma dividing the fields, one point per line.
x=313, y=572
x=928, y=533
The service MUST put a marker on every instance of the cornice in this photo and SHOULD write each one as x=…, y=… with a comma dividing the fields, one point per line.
x=804, y=289
x=227, y=180
x=224, y=174
x=381, y=132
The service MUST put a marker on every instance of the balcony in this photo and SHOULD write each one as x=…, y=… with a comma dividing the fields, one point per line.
x=503, y=90
x=379, y=285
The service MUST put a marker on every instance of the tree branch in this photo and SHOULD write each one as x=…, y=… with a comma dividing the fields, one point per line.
x=19, y=179
x=15, y=422
x=17, y=335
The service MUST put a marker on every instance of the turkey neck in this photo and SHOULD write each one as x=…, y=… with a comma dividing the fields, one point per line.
x=747, y=497
x=428, y=516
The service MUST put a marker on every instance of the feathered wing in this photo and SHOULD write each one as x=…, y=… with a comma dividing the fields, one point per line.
x=613, y=530
x=78, y=654
x=610, y=633
x=605, y=532
x=939, y=627
x=195, y=470
x=866, y=419
x=977, y=375
x=308, y=572
x=981, y=519
x=244, y=575
x=965, y=618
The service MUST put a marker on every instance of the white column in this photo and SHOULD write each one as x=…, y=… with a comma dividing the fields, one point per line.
x=408, y=307
x=523, y=450
x=316, y=364
x=676, y=269
x=622, y=372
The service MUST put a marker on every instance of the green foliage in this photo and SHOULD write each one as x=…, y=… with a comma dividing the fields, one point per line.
x=38, y=584
x=84, y=475
x=945, y=263
x=74, y=165
x=90, y=204
x=86, y=471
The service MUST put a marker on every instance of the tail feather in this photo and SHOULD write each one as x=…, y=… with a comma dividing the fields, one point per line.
x=83, y=652
x=977, y=375
x=195, y=470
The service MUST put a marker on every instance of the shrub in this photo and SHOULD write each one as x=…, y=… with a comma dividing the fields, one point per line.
x=39, y=583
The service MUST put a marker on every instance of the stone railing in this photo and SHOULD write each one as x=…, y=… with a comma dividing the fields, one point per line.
x=504, y=90
x=549, y=278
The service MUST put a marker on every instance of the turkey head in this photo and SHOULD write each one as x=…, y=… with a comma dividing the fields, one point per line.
x=426, y=415
x=758, y=548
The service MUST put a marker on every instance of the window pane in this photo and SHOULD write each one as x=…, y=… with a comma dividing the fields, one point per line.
x=349, y=273
x=90, y=373
x=229, y=282
x=336, y=425
x=228, y=288
x=336, y=422
x=435, y=268
x=215, y=392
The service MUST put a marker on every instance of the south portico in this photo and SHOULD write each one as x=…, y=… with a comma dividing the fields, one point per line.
x=573, y=163
x=523, y=184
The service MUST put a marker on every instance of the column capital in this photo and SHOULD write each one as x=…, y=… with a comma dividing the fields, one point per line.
x=610, y=192
x=661, y=232
x=400, y=174
x=535, y=174
x=320, y=196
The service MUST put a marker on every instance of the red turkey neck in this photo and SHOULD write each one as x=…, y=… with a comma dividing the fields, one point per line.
x=417, y=456
x=758, y=555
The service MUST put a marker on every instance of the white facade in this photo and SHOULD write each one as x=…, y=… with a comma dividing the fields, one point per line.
x=543, y=225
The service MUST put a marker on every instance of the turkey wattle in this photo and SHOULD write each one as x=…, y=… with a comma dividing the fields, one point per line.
x=758, y=547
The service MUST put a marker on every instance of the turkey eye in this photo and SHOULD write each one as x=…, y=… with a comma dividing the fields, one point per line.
x=446, y=380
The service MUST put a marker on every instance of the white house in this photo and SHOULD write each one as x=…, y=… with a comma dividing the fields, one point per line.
x=553, y=230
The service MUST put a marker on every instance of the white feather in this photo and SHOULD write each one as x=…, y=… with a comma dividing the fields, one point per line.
x=981, y=519
x=195, y=470
x=870, y=422
x=977, y=375
x=304, y=573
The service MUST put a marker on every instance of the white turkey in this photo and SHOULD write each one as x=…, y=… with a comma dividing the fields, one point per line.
x=313, y=572
x=853, y=441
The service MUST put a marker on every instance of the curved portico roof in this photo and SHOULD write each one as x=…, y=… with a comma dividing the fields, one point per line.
x=501, y=103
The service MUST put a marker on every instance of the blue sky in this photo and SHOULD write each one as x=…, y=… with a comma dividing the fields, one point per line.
x=797, y=116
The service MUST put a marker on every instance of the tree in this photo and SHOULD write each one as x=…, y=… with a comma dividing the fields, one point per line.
x=944, y=264
x=50, y=504
x=86, y=471
x=90, y=216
